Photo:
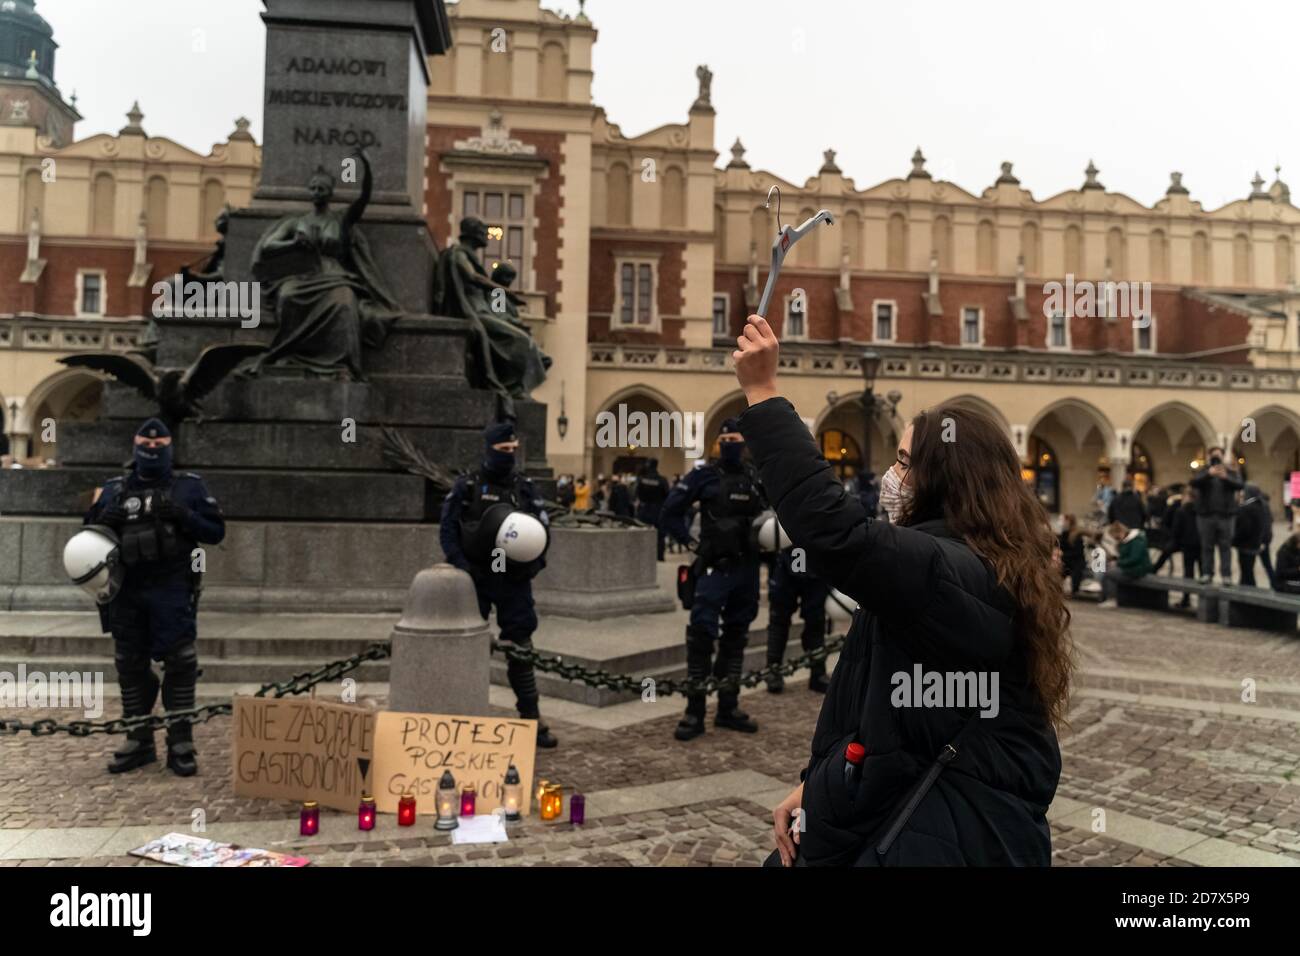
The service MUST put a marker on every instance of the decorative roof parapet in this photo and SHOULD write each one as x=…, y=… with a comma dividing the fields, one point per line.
x=495, y=140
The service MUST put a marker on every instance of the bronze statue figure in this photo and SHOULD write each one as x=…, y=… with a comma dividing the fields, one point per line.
x=328, y=294
x=502, y=354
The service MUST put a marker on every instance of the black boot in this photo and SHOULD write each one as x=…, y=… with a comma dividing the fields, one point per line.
x=139, y=687
x=778, y=635
x=736, y=719
x=813, y=638
x=699, y=654
x=182, y=759
x=689, y=727
x=179, y=690
x=134, y=753
x=523, y=681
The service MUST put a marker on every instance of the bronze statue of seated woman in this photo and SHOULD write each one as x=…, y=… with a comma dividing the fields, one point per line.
x=327, y=291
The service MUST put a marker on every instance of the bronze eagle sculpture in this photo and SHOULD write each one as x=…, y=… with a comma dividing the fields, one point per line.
x=178, y=392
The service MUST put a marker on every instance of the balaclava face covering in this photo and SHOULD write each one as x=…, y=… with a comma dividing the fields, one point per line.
x=153, y=464
x=730, y=452
x=497, y=462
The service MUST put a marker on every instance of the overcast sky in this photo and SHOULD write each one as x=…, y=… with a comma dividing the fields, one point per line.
x=1200, y=86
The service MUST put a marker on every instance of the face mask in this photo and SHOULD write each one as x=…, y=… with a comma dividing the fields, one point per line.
x=893, y=494
x=498, y=462
x=731, y=451
x=153, y=463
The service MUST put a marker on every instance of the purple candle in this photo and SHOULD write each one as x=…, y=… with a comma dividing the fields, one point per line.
x=577, y=809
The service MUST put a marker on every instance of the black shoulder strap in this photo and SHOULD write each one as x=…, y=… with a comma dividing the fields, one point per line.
x=904, y=813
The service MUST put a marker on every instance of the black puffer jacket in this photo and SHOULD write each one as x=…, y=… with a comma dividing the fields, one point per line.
x=926, y=600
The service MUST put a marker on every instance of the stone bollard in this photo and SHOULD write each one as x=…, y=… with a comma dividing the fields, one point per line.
x=440, y=647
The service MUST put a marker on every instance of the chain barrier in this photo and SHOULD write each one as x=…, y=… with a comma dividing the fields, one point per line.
x=301, y=683
x=666, y=686
x=297, y=684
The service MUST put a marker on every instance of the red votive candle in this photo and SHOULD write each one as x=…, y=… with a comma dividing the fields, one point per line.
x=309, y=819
x=406, y=811
x=468, y=798
x=366, y=813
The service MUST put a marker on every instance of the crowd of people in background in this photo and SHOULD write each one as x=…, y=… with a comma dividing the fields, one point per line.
x=1198, y=524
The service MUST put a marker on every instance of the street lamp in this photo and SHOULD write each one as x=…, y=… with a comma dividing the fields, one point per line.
x=869, y=363
x=562, y=423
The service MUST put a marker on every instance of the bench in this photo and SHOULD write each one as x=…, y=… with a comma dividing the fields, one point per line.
x=1152, y=593
x=1257, y=608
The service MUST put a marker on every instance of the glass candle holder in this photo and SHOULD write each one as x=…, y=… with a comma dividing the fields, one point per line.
x=309, y=819
x=468, y=798
x=577, y=809
x=366, y=813
x=447, y=803
x=552, y=803
x=406, y=811
x=512, y=795
x=540, y=792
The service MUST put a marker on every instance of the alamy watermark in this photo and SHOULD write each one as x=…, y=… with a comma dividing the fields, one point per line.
x=959, y=689
x=1086, y=299
x=71, y=689
x=175, y=298
x=624, y=429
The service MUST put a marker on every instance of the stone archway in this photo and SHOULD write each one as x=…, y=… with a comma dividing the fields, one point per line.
x=662, y=428
x=1267, y=449
x=71, y=395
x=1170, y=437
x=1081, y=440
x=845, y=418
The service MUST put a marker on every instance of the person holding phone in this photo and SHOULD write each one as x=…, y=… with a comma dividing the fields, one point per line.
x=962, y=583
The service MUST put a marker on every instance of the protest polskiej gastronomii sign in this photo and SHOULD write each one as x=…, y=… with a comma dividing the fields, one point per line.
x=412, y=751
x=296, y=748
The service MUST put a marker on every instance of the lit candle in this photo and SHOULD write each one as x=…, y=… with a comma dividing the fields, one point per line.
x=552, y=802
x=512, y=795
x=406, y=811
x=468, y=797
x=366, y=813
x=309, y=819
x=446, y=803
x=577, y=809
x=540, y=793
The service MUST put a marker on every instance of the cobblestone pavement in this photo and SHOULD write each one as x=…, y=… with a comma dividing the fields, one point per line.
x=1159, y=736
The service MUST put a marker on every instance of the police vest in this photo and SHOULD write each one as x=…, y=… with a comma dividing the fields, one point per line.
x=489, y=502
x=145, y=538
x=725, y=518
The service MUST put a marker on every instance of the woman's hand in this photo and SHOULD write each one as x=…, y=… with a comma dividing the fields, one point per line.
x=756, y=360
x=786, y=838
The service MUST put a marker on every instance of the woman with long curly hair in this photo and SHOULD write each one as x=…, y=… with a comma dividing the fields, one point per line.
x=936, y=744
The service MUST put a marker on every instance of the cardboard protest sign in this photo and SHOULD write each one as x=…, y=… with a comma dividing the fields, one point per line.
x=298, y=748
x=413, y=750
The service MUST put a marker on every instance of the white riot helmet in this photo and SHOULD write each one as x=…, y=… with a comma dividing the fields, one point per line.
x=771, y=536
x=91, y=558
x=522, y=537
x=840, y=608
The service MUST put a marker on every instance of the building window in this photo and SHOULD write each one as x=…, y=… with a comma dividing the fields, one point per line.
x=972, y=326
x=721, y=315
x=90, y=294
x=1144, y=334
x=884, y=313
x=796, y=317
x=634, y=294
x=1058, y=332
x=505, y=213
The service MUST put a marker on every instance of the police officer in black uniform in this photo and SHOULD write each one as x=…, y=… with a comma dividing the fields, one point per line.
x=160, y=519
x=471, y=513
x=651, y=493
x=730, y=498
x=790, y=585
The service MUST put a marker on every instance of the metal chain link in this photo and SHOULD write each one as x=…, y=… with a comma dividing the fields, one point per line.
x=301, y=683
x=665, y=685
x=297, y=684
